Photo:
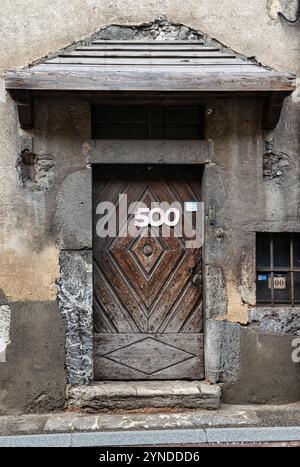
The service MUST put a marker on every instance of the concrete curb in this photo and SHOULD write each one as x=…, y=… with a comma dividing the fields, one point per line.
x=155, y=437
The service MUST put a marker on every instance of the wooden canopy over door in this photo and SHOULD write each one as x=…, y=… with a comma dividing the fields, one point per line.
x=147, y=291
x=148, y=66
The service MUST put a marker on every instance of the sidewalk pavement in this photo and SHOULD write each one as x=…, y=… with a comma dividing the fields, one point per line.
x=230, y=424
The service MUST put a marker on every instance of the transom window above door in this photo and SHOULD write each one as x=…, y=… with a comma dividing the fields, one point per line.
x=278, y=268
x=147, y=122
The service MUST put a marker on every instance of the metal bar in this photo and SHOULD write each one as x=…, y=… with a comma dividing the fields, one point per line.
x=292, y=269
x=200, y=125
x=127, y=120
x=277, y=269
x=149, y=121
x=272, y=268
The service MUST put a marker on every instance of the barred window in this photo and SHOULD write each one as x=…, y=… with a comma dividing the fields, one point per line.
x=278, y=268
x=147, y=122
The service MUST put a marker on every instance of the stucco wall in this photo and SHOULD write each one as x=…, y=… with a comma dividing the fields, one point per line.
x=32, y=231
x=248, y=347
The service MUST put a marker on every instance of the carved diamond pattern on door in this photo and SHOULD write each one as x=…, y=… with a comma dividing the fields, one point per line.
x=147, y=311
x=147, y=252
x=147, y=364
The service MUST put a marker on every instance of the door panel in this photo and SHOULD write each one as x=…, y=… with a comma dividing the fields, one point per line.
x=147, y=303
x=148, y=356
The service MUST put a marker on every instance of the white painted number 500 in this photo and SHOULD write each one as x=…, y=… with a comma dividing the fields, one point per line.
x=156, y=217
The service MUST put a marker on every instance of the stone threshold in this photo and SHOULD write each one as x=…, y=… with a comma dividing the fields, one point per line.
x=124, y=395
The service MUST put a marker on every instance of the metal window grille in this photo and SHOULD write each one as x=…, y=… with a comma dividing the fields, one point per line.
x=147, y=122
x=278, y=268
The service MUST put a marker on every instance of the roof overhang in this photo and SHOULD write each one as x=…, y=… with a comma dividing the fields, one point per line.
x=153, y=66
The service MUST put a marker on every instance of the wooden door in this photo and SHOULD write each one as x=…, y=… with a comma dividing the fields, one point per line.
x=147, y=290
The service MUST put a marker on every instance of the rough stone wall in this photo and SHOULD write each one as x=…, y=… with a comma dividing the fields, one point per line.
x=75, y=299
x=37, y=209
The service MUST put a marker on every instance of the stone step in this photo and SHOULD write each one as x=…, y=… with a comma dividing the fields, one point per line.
x=124, y=395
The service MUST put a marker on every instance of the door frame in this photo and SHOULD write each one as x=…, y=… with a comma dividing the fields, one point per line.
x=79, y=348
x=159, y=153
x=109, y=340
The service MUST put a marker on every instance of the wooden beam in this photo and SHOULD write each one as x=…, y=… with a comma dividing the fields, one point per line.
x=25, y=106
x=138, y=46
x=86, y=61
x=272, y=110
x=150, y=79
x=146, y=54
x=150, y=43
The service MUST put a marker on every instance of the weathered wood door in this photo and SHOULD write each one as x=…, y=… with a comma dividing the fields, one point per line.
x=147, y=290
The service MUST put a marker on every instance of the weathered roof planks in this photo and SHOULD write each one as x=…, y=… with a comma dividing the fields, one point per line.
x=148, y=66
x=145, y=67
